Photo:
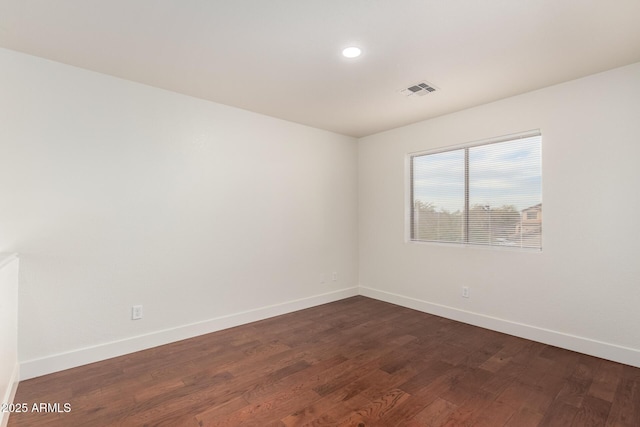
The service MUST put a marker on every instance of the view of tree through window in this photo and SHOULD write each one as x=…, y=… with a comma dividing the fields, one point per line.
x=485, y=194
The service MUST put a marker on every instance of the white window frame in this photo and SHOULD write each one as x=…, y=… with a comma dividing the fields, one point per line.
x=409, y=191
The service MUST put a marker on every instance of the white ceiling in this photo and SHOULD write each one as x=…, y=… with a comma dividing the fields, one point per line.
x=282, y=57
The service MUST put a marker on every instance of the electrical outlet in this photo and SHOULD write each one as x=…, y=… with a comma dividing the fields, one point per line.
x=136, y=312
x=465, y=292
x=334, y=276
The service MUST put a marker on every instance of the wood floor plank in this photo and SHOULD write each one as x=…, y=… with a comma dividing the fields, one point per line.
x=515, y=394
x=593, y=412
x=339, y=412
x=467, y=413
x=625, y=410
x=605, y=381
x=372, y=413
x=435, y=413
x=524, y=417
x=329, y=402
x=559, y=415
x=302, y=380
x=354, y=362
x=423, y=397
x=496, y=413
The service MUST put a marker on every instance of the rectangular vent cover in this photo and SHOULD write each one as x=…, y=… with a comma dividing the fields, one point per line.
x=420, y=89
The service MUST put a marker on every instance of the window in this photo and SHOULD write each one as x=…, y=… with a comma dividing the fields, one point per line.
x=486, y=193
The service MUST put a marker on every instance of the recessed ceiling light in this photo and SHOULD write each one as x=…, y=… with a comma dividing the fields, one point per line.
x=351, y=52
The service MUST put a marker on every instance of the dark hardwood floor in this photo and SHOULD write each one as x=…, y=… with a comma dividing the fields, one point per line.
x=355, y=362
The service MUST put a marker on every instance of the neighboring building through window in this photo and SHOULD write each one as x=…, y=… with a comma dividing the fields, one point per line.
x=486, y=193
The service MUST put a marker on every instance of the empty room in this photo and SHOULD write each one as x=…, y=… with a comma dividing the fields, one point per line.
x=306, y=212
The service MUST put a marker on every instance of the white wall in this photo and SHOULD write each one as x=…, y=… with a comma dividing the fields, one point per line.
x=116, y=193
x=582, y=291
x=9, y=367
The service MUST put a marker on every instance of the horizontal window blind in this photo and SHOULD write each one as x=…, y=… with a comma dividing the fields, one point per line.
x=486, y=193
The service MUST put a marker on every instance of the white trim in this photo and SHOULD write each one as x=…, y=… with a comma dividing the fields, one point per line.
x=494, y=140
x=58, y=362
x=10, y=394
x=476, y=246
x=616, y=353
x=6, y=258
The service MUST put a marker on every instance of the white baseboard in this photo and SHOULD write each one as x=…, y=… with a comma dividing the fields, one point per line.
x=58, y=362
x=616, y=353
x=10, y=394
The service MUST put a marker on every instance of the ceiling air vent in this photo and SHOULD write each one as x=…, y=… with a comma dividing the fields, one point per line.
x=420, y=89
